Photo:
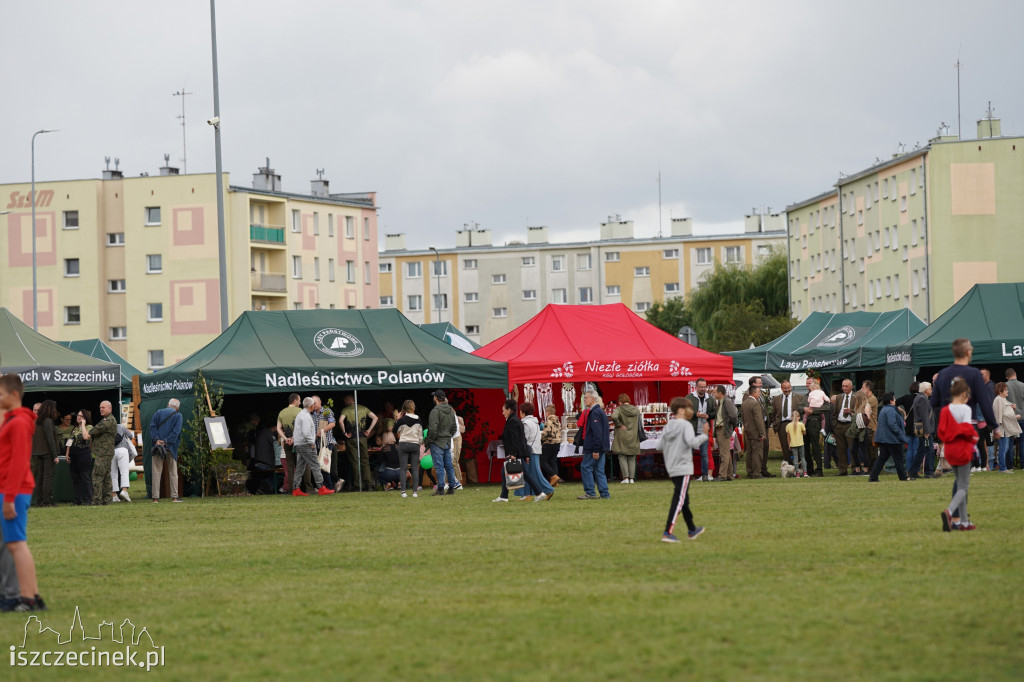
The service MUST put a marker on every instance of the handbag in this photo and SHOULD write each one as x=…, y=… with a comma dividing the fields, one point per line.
x=514, y=477
x=325, y=458
x=641, y=434
x=919, y=429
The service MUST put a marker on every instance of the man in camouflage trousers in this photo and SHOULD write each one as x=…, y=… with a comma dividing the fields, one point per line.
x=101, y=437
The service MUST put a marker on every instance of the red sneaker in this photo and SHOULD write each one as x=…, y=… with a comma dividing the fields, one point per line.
x=298, y=493
x=967, y=526
x=324, y=490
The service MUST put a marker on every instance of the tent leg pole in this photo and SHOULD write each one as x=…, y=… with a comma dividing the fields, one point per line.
x=359, y=455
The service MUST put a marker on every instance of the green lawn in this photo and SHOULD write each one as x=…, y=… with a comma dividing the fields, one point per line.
x=813, y=579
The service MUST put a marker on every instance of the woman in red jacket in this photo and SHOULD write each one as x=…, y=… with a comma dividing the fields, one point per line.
x=958, y=436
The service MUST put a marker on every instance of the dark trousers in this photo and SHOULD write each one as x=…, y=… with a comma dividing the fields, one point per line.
x=682, y=490
x=784, y=442
x=530, y=481
x=842, y=446
x=814, y=443
x=549, y=460
x=42, y=471
x=924, y=454
x=887, y=450
x=81, y=477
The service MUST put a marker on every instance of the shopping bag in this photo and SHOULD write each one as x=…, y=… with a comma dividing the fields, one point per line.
x=325, y=458
x=514, y=479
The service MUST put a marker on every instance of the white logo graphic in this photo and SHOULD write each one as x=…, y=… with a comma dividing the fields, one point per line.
x=338, y=342
x=565, y=371
x=677, y=370
x=459, y=342
x=839, y=337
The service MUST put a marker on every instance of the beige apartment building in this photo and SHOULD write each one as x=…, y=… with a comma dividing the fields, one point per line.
x=915, y=231
x=134, y=260
x=488, y=290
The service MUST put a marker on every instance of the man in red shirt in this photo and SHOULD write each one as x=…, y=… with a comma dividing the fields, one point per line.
x=16, y=485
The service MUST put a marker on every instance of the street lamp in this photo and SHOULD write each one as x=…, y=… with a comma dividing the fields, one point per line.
x=437, y=273
x=35, y=290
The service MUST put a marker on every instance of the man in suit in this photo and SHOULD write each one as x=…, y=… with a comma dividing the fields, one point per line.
x=842, y=417
x=869, y=451
x=704, y=409
x=725, y=424
x=783, y=407
x=754, y=432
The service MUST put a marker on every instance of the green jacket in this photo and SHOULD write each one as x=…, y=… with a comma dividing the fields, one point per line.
x=102, y=435
x=441, y=426
x=712, y=408
x=626, y=440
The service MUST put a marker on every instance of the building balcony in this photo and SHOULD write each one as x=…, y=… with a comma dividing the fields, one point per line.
x=267, y=234
x=269, y=282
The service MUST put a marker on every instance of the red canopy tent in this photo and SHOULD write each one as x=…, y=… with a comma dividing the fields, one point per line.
x=601, y=343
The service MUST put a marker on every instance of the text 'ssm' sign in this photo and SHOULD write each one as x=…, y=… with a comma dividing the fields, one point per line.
x=24, y=199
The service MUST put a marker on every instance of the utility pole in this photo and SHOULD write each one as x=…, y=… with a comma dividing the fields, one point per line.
x=184, y=148
x=957, y=66
x=221, y=238
x=659, y=202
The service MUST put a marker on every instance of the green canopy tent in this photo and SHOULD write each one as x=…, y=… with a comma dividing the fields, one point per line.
x=95, y=348
x=319, y=350
x=832, y=343
x=451, y=335
x=990, y=315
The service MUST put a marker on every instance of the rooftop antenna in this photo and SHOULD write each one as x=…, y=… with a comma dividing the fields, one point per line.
x=957, y=66
x=990, y=114
x=184, y=149
x=320, y=173
x=117, y=163
x=107, y=160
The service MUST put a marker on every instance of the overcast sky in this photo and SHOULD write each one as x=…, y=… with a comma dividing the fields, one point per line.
x=548, y=113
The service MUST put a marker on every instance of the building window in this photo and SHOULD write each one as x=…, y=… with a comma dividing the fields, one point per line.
x=316, y=224
x=498, y=279
x=366, y=229
x=892, y=183
x=915, y=285
x=613, y=290
x=156, y=359
x=500, y=312
x=529, y=261
x=115, y=239
x=559, y=296
x=330, y=224
x=71, y=267
x=154, y=264
x=296, y=267
x=703, y=255
x=586, y=295
x=70, y=220
x=642, y=271
x=441, y=301
x=469, y=264
x=384, y=268
x=415, y=303
x=913, y=181
x=72, y=314
x=860, y=217
x=583, y=261
x=330, y=269
x=895, y=286
x=472, y=297
x=885, y=188
x=913, y=232
x=763, y=250
x=387, y=301
x=118, y=333
x=350, y=227
x=154, y=312
x=612, y=257
x=529, y=294
x=366, y=273
x=473, y=329
x=672, y=288
x=732, y=254
x=878, y=288
x=861, y=263
x=924, y=279
x=350, y=271
x=903, y=204
x=906, y=256
x=557, y=263
x=316, y=269
x=643, y=306
x=670, y=253
x=296, y=221
x=439, y=268
x=116, y=286
x=414, y=269
x=152, y=215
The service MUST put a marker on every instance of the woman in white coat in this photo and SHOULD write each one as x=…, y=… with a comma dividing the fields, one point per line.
x=124, y=454
x=677, y=442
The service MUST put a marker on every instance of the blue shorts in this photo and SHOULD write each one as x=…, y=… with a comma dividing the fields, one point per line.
x=16, y=529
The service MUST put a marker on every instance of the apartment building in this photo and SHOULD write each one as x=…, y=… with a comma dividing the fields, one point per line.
x=915, y=231
x=134, y=260
x=488, y=290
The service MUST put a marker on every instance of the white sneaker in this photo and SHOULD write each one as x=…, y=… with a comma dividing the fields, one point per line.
x=404, y=495
x=500, y=499
x=541, y=497
x=415, y=495
x=624, y=481
x=124, y=496
x=116, y=499
x=446, y=487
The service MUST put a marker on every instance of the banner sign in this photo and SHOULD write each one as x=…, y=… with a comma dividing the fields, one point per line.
x=98, y=377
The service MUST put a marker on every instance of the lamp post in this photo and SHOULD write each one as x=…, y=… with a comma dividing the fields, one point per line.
x=222, y=263
x=437, y=273
x=35, y=289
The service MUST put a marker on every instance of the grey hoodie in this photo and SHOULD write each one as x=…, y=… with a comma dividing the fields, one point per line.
x=678, y=442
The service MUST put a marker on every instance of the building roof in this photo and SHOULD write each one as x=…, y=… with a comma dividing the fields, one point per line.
x=813, y=200
x=350, y=200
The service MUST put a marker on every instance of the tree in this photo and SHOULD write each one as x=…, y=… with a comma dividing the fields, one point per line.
x=670, y=316
x=736, y=326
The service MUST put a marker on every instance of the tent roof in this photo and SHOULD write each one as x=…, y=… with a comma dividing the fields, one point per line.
x=600, y=343
x=44, y=364
x=831, y=341
x=95, y=348
x=451, y=335
x=276, y=351
x=990, y=315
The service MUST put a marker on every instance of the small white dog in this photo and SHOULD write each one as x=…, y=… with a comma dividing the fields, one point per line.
x=788, y=470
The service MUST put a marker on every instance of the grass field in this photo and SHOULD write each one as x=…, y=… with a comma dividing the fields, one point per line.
x=812, y=579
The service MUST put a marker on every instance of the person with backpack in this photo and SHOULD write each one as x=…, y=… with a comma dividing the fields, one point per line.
x=124, y=453
x=164, y=435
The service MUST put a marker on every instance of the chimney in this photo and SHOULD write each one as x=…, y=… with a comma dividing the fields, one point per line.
x=266, y=179
x=682, y=227
x=114, y=174
x=471, y=235
x=167, y=169
x=537, y=235
x=752, y=223
x=318, y=187
x=617, y=228
x=394, y=242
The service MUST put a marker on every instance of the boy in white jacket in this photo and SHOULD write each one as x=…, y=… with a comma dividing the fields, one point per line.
x=678, y=442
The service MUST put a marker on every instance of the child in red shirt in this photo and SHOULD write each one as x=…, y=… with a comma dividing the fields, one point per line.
x=16, y=485
x=958, y=437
